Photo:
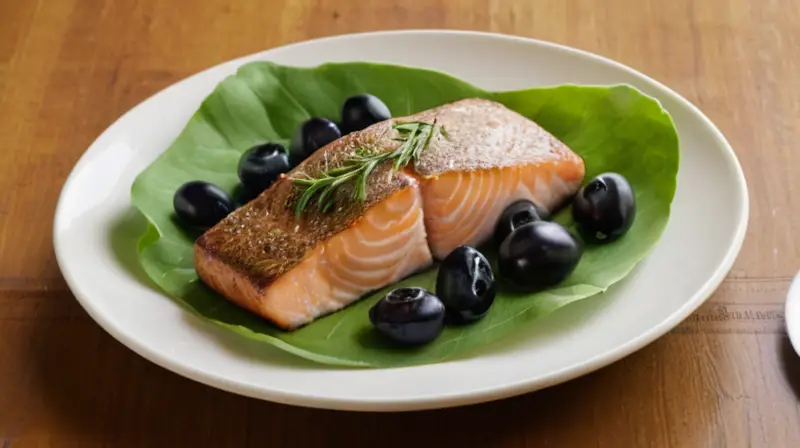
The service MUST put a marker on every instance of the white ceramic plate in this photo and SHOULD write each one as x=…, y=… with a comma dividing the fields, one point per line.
x=792, y=314
x=704, y=234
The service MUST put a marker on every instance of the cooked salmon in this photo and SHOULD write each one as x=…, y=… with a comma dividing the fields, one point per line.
x=292, y=270
x=492, y=157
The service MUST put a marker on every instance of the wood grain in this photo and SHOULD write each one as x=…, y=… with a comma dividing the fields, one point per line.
x=726, y=377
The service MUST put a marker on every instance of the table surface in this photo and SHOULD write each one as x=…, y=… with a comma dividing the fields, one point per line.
x=726, y=377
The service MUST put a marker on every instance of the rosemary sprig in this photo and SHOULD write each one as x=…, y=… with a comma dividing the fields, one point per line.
x=415, y=137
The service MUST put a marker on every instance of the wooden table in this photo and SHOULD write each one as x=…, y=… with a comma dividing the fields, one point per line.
x=727, y=377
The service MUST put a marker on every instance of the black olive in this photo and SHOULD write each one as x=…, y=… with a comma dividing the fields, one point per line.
x=201, y=204
x=465, y=284
x=409, y=315
x=242, y=195
x=517, y=214
x=605, y=208
x=311, y=135
x=361, y=111
x=261, y=165
x=538, y=255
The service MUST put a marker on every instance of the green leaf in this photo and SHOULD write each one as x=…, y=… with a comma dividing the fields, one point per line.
x=614, y=128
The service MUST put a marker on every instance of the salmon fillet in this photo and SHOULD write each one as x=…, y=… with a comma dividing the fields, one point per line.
x=292, y=270
x=385, y=246
x=493, y=157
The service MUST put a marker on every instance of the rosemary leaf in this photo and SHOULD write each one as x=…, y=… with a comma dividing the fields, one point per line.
x=414, y=138
x=307, y=195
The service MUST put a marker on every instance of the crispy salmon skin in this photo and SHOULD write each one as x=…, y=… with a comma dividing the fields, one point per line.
x=292, y=270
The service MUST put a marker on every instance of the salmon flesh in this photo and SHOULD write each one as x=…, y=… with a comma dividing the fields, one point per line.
x=293, y=269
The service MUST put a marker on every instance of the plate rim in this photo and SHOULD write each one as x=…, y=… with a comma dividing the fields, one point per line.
x=443, y=400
